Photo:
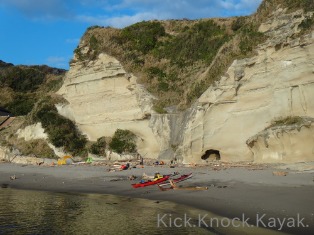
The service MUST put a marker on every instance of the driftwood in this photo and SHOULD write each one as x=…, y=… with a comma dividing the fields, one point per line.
x=13, y=177
x=280, y=173
x=175, y=187
x=163, y=189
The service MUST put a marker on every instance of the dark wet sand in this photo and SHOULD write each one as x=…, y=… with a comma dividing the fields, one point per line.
x=234, y=192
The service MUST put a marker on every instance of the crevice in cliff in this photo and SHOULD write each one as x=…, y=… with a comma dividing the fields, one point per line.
x=118, y=75
x=211, y=155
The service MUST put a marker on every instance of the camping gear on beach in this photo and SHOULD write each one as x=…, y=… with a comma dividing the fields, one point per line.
x=149, y=182
x=89, y=160
x=147, y=177
x=157, y=176
x=159, y=163
x=66, y=160
x=125, y=167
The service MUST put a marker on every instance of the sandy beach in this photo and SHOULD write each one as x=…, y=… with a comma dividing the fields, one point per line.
x=232, y=192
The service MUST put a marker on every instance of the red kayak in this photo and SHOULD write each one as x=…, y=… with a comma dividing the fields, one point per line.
x=148, y=183
x=179, y=179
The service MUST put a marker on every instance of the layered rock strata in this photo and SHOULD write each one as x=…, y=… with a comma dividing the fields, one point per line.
x=292, y=143
x=102, y=97
x=278, y=82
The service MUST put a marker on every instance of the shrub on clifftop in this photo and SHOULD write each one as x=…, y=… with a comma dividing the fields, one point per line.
x=143, y=36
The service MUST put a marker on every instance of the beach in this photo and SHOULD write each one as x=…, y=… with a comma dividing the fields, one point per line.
x=235, y=191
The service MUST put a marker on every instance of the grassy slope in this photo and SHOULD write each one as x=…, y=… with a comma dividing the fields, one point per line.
x=23, y=86
x=27, y=91
x=178, y=60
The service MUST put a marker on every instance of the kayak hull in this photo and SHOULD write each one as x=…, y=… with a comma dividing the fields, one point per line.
x=177, y=180
x=149, y=183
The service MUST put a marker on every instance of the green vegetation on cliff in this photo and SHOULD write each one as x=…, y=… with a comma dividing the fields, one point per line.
x=23, y=86
x=99, y=147
x=177, y=60
x=171, y=57
x=200, y=42
x=38, y=148
x=29, y=91
x=287, y=121
x=61, y=131
x=21, y=104
x=141, y=36
x=123, y=141
x=292, y=5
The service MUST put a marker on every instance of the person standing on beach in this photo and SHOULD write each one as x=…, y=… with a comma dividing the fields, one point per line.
x=141, y=160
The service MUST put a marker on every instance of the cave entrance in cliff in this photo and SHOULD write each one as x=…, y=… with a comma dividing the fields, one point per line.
x=211, y=155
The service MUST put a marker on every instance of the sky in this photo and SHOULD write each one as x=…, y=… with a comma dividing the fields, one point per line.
x=36, y=32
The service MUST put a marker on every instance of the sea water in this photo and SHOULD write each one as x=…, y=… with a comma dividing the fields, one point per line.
x=34, y=212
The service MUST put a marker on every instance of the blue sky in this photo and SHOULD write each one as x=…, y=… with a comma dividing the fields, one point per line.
x=47, y=31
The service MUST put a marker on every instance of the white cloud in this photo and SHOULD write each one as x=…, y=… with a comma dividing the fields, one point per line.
x=119, y=13
x=125, y=20
x=72, y=40
x=132, y=11
x=186, y=8
x=39, y=9
x=119, y=21
x=57, y=61
x=240, y=5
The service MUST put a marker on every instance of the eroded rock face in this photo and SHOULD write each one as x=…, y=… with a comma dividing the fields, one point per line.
x=279, y=82
x=169, y=132
x=14, y=156
x=32, y=132
x=284, y=144
x=3, y=153
x=103, y=98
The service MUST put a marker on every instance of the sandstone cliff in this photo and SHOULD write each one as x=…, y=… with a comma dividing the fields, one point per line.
x=103, y=98
x=277, y=82
x=287, y=143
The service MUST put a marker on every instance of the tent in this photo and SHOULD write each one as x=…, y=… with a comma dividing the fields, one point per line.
x=66, y=160
x=89, y=160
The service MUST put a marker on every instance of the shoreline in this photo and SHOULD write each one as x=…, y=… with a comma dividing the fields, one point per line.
x=231, y=193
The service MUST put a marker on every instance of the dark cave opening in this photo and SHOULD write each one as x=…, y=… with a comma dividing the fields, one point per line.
x=211, y=155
